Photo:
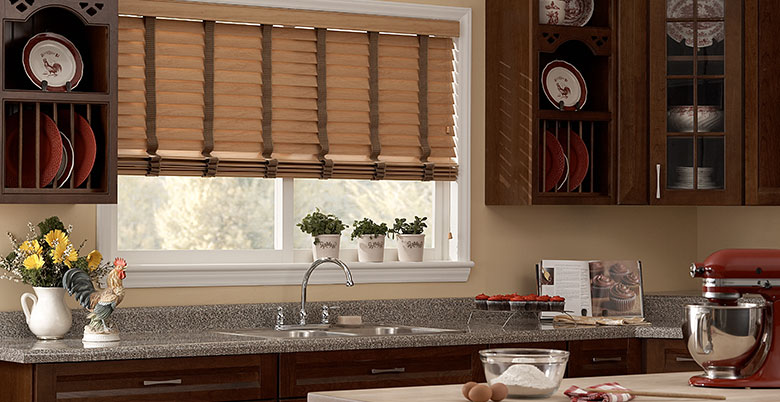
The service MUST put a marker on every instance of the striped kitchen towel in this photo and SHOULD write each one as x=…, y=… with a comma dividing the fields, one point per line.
x=578, y=394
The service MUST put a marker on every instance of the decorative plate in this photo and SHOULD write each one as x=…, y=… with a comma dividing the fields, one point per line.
x=562, y=82
x=555, y=162
x=709, y=32
x=578, y=12
x=68, y=161
x=579, y=160
x=52, y=58
x=84, y=144
x=50, y=151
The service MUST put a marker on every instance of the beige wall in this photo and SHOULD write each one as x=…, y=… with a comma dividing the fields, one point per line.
x=506, y=241
x=737, y=227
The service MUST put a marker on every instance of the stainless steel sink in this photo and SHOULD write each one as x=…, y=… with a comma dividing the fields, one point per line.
x=365, y=330
x=384, y=330
x=289, y=333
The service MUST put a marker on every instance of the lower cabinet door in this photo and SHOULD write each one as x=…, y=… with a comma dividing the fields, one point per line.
x=605, y=357
x=223, y=378
x=301, y=373
x=668, y=355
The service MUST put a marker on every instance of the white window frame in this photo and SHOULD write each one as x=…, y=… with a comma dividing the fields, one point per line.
x=448, y=261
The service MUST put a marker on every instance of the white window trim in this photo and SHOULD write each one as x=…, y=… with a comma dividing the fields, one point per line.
x=449, y=261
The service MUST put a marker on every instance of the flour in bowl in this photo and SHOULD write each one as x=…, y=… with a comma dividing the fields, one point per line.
x=526, y=379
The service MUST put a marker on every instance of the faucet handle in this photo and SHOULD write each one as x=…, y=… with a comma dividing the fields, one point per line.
x=326, y=313
x=279, y=317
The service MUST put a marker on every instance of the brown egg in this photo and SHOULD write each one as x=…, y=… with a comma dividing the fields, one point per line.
x=467, y=387
x=480, y=393
x=500, y=392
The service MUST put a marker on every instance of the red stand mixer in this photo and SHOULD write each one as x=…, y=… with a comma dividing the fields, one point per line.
x=735, y=342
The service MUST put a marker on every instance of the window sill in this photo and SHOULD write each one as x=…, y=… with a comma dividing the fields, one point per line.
x=180, y=275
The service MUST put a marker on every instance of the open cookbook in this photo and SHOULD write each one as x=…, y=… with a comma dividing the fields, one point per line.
x=593, y=288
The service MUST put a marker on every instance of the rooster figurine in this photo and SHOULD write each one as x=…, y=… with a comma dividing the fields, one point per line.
x=99, y=302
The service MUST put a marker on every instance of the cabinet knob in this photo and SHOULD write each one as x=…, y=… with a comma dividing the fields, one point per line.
x=658, y=181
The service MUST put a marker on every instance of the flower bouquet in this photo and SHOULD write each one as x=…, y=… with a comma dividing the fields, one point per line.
x=41, y=260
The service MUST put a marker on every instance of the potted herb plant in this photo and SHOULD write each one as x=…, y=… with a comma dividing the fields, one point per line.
x=371, y=240
x=326, y=230
x=411, y=240
x=41, y=261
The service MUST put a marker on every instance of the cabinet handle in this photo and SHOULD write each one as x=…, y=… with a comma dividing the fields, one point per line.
x=658, y=181
x=607, y=359
x=684, y=359
x=164, y=382
x=391, y=370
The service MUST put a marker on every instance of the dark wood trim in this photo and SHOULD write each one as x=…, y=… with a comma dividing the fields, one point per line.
x=633, y=183
x=599, y=358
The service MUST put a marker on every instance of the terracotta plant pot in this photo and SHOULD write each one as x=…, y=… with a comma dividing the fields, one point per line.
x=371, y=248
x=411, y=247
x=326, y=246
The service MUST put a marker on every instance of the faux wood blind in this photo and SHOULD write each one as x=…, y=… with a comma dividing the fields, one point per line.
x=200, y=97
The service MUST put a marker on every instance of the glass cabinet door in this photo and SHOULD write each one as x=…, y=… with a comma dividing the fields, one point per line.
x=694, y=138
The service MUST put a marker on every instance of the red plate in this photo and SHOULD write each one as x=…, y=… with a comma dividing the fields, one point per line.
x=555, y=162
x=84, y=145
x=52, y=58
x=579, y=160
x=50, y=154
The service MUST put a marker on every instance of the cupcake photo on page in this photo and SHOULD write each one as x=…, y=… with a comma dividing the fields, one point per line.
x=616, y=288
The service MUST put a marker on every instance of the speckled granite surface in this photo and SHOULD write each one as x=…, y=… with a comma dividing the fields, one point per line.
x=161, y=332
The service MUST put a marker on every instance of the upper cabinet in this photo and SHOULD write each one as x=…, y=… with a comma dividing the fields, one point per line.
x=58, y=89
x=695, y=106
x=679, y=106
x=551, y=97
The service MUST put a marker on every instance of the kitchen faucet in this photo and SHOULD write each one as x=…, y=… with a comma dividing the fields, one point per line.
x=305, y=282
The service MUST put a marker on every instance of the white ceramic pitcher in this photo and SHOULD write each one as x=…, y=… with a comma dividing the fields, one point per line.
x=50, y=317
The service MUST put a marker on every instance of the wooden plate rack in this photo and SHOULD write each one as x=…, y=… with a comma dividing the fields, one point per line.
x=92, y=27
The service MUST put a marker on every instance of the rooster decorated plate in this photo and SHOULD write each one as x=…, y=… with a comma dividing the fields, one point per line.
x=562, y=82
x=52, y=58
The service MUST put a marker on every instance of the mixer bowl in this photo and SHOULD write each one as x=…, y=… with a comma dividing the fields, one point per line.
x=728, y=341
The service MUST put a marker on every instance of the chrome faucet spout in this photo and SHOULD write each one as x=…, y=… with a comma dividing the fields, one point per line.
x=306, y=276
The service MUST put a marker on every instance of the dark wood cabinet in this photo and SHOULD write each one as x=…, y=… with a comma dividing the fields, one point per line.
x=601, y=358
x=289, y=377
x=224, y=378
x=695, y=74
x=667, y=355
x=524, y=129
x=301, y=373
x=51, y=136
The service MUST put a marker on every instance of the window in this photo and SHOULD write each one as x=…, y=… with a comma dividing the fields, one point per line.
x=219, y=231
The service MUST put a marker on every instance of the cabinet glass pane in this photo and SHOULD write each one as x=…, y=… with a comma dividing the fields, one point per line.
x=710, y=99
x=679, y=101
x=679, y=162
x=679, y=9
x=710, y=8
x=711, y=49
x=679, y=55
x=711, y=155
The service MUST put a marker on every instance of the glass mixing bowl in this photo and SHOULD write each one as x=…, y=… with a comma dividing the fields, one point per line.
x=528, y=373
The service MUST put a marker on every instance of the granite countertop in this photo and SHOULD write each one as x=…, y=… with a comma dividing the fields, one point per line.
x=198, y=329
x=213, y=343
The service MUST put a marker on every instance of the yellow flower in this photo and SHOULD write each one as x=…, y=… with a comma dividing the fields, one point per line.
x=93, y=259
x=64, y=252
x=31, y=247
x=34, y=261
x=56, y=237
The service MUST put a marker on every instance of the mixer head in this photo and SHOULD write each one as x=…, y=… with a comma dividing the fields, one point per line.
x=730, y=273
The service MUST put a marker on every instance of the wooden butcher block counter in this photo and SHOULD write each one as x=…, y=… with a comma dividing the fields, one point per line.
x=666, y=382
